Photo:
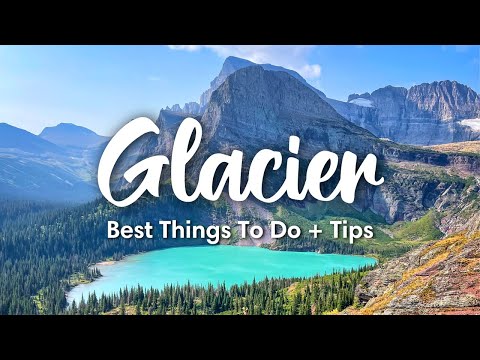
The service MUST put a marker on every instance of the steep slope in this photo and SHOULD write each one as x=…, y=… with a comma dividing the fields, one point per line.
x=255, y=109
x=34, y=168
x=12, y=137
x=231, y=65
x=72, y=135
x=426, y=114
x=441, y=277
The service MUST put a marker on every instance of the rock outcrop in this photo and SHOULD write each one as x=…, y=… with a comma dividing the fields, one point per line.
x=426, y=114
x=233, y=64
x=255, y=109
x=440, y=277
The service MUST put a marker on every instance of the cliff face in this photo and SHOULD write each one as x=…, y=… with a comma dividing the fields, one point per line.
x=438, y=278
x=233, y=64
x=426, y=114
x=255, y=109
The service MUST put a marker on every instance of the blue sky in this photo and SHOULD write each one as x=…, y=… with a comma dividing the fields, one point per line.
x=102, y=87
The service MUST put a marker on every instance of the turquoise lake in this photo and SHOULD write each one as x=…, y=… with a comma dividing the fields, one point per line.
x=212, y=264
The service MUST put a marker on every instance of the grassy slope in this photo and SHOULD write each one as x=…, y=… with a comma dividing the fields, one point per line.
x=468, y=147
x=389, y=240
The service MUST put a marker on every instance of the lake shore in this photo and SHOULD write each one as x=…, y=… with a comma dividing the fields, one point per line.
x=203, y=265
x=106, y=263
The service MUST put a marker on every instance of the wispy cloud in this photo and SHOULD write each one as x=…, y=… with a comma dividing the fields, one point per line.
x=294, y=57
x=154, y=78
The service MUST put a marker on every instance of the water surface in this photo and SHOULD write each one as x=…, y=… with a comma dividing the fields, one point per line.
x=212, y=264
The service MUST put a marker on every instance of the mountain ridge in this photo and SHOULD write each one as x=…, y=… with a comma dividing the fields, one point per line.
x=17, y=138
x=68, y=134
x=425, y=114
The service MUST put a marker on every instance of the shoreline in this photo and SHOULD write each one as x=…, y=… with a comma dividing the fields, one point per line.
x=113, y=262
x=106, y=263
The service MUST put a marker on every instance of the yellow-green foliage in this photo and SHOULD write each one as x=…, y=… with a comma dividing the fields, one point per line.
x=422, y=229
x=411, y=283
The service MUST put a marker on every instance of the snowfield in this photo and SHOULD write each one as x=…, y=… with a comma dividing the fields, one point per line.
x=362, y=102
x=472, y=123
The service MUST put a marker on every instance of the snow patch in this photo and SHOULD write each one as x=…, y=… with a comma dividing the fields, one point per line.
x=362, y=102
x=474, y=124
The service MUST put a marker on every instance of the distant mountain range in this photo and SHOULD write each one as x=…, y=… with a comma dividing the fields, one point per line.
x=427, y=114
x=71, y=135
x=59, y=165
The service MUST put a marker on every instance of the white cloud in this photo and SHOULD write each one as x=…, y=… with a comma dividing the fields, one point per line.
x=293, y=57
x=185, y=47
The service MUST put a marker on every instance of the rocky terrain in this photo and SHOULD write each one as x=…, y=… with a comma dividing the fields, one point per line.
x=440, y=277
x=471, y=147
x=231, y=65
x=426, y=114
x=255, y=108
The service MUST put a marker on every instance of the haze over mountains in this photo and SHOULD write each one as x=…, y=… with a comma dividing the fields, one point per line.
x=59, y=165
x=71, y=135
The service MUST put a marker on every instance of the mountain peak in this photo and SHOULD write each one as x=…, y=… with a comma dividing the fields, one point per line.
x=68, y=134
x=12, y=137
x=262, y=107
x=233, y=64
x=236, y=62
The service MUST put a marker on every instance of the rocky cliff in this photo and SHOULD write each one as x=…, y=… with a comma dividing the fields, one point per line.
x=427, y=114
x=231, y=65
x=254, y=109
x=440, y=277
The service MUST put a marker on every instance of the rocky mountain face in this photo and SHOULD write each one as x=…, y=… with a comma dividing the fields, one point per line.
x=427, y=114
x=231, y=65
x=255, y=109
x=440, y=277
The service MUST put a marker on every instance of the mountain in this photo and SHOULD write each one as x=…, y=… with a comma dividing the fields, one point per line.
x=255, y=109
x=427, y=114
x=441, y=277
x=72, y=135
x=14, y=138
x=36, y=169
x=231, y=65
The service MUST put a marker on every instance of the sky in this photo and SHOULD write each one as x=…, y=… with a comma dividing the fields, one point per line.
x=103, y=87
